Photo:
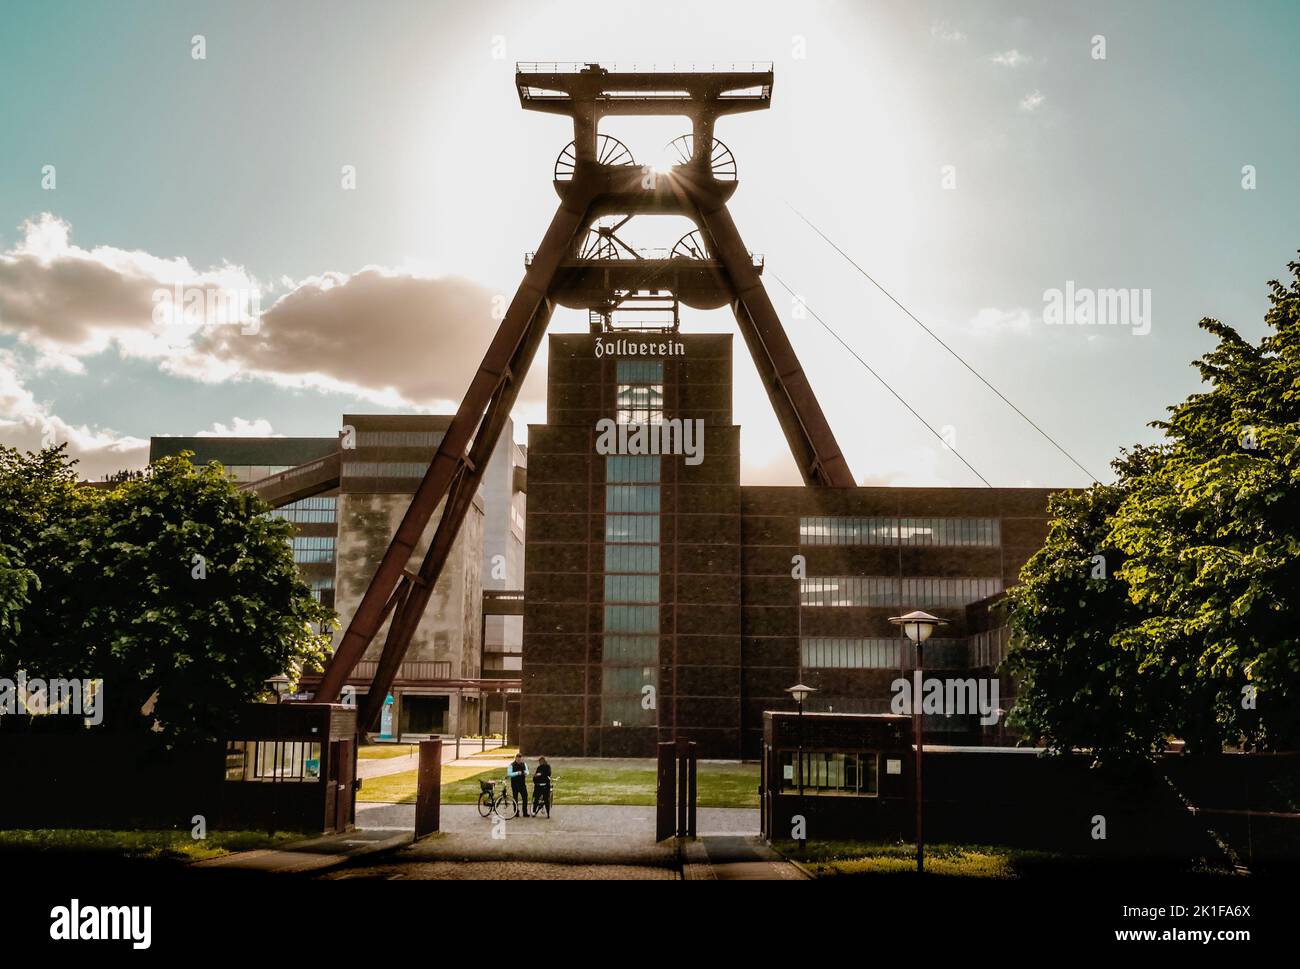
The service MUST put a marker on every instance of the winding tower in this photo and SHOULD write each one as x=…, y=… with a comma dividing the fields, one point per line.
x=584, y=261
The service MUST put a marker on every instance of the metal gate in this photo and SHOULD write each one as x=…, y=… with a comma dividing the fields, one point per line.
x=675, y=793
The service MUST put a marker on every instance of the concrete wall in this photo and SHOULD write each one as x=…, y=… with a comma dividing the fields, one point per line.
x=449, y=629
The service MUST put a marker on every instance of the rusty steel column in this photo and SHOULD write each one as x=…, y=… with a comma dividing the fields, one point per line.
x=428, y=797
x=806, y=428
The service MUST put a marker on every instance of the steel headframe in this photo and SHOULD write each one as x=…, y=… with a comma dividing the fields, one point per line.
x=555, y=274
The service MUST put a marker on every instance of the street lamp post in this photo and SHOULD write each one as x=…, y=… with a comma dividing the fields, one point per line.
x=280, y=684
x=917, y=626
x=801, y=693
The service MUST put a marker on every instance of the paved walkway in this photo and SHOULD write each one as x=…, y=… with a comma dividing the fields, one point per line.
x=736, y=858
x=578, y=841
x=317, y=854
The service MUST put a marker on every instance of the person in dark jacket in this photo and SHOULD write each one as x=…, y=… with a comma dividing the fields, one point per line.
x=518, y=774
x=542, y=787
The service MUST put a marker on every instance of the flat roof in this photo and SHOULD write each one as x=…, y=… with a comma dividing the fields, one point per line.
x=246, y=450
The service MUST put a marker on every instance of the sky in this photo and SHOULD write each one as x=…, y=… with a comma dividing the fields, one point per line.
x=359, y=180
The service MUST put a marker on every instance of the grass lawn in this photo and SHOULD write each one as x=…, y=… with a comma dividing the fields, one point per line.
x=840, y=858
x=491, y=751
x=719, y=785
x=165, y=846
x=384, y=751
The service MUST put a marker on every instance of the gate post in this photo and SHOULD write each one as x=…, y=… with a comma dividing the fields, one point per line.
x=428, y=798
x=690, y=792
x=666, y=792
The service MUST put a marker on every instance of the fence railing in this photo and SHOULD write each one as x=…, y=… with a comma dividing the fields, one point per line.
x=413, y=670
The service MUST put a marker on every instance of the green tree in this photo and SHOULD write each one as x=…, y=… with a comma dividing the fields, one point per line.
x=177, y=584
x=1194, y=633
x=37, y=491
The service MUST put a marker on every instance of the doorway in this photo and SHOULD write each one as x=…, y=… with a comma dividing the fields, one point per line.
x=425, y=715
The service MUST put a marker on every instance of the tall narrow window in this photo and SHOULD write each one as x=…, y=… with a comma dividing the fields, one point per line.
x=640, y=391
x=630, y=644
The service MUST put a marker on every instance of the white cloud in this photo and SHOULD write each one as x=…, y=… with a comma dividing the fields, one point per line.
x=391, y=336
x=28, y=425
x=1032, y=101
x=68, y=302
x=259, y=427
x=992, y=321
x=1011, y=58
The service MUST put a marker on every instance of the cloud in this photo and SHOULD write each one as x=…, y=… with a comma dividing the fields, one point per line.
x=239, y=427
x=991, y=321
x=392, y=337
x=1011, y=58
x=68, y=302
x=28, y=425
x=1032, y=101
x=943, y=30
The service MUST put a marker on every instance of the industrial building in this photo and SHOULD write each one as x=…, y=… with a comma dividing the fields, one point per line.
x=665, y=600
x=360, y=483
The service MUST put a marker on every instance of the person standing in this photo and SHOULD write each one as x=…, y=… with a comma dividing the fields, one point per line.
x=518, y=774
x=542, y=787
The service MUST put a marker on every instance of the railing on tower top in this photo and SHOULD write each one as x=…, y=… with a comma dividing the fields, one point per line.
x=618, y=255
x=577, y=67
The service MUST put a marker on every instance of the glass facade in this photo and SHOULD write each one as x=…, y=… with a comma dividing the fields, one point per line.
x=270, y=760
x=385, y=469
x=313, y=548
x=314, y=510
x=840, y=652
x=429, y=439
x=890, y=591
x=640, y=394
x=826, y=772
x=630, y=641
x=900, y=531
x=844, y=653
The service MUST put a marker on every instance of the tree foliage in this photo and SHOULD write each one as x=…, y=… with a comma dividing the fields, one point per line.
x=175, y=583
x=1194, y=631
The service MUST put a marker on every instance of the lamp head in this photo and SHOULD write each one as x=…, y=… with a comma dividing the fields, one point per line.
x=918, y=626
x=800, y=692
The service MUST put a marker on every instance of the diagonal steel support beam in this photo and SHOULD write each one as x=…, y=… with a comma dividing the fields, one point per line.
x=481, y=417
x=806, y=429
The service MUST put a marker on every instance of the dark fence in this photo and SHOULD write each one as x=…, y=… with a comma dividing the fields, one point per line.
x=131, y=781
x=1226, y=809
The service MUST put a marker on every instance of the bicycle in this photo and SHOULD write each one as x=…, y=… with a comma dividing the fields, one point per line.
x=543, y=796
x=489, y=802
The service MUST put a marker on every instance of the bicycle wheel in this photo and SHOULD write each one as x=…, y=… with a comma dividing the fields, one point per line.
x=484, y=804
x=506, y=807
